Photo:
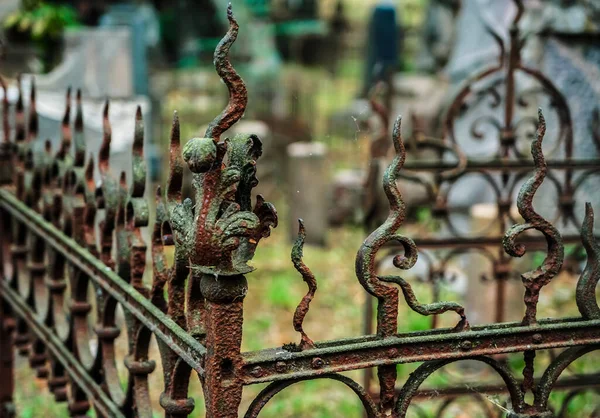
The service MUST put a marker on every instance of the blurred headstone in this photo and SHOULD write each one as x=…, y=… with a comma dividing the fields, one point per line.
x=346, y=197
x=569, y=55
x=307, y=186
x=474, y=47
x=439, y=34
x=143, y=23
x=99, y=61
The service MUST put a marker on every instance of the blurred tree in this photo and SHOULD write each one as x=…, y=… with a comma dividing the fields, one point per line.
x=43, y=24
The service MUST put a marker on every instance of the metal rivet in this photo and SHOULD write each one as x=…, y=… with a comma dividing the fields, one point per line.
x=281, y=367
x=256, y=372
x=317, y=363
x=537, y=338
x=466, y=345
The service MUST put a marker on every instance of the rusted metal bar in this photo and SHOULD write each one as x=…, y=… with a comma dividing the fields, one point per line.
x=499, y=165
x=572, y=383
x=75, y=370
x=418, y=346
x=533, y=242
x=163, y=327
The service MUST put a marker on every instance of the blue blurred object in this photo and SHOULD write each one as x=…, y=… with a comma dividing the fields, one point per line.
x=129, y=15
x=382, y=45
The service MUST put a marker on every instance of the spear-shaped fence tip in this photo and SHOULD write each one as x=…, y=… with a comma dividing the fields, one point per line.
x=175, y=180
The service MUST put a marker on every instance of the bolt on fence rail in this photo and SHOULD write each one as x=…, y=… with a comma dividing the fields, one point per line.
x=50, y=243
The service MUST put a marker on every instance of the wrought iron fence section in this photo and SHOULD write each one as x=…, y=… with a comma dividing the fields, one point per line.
x=53, y=249
x=497, y=95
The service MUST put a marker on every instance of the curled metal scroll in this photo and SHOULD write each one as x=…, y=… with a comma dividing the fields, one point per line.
x=387, y=233
x=416, y=378
x=311, y=282
x=554, y=371
x=379, y=149
x=273, y=389
x=586, y=286
x=536, y=279
x=238, y=95
x=509, y=64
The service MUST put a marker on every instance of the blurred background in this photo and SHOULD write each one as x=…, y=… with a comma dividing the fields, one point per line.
x=310, y=67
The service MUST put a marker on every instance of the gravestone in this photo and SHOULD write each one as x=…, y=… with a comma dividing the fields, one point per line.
x=144, y=31
x=347, y=196
x=474, y=46
x=99, y=61
x=568, y=53
x=439, y=34
x=307, y=190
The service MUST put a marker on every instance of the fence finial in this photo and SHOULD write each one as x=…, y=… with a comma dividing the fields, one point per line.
x=311, y=282
x=586, y=286
x=238, y=95
x=79, y=138
x=536, y=279
x=104, y=152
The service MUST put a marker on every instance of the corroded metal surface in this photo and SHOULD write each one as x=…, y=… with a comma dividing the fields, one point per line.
x=72, y=246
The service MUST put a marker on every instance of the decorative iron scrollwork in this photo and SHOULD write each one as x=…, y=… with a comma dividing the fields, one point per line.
x=535, y=280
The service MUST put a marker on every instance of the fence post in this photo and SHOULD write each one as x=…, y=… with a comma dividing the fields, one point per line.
x=224, y=317
x=226, y=228
x=7, y=408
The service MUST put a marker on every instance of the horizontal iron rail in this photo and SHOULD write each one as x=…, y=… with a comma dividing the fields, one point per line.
x=345, y=355
x=534, y=242
x=85, y=382
x=479, y=165
x=163, y=327
x=570, y=383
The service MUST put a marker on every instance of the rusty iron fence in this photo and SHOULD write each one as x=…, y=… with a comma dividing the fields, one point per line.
x=492, y=105
x=61, y=232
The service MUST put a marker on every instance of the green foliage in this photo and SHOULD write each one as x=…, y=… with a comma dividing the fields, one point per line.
x=278, y=292
x=40, y=20
x=571, y=250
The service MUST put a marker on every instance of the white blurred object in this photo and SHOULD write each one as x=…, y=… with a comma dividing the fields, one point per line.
x=50, y=106
x=151, y=23
x=7, y=7
x=99, y=61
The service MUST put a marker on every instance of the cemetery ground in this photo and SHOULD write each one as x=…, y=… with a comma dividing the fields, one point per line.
x=275, y=288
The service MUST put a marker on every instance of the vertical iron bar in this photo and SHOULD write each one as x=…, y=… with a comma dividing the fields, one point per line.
x=7, y=408
x=224, y=317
